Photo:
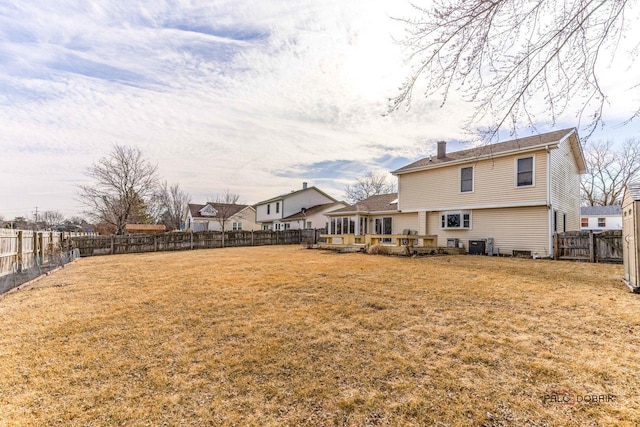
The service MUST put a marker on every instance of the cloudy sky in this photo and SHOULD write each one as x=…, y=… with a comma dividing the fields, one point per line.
x=251, y=96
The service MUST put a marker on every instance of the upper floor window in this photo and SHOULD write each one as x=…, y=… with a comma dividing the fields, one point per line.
x=602, y=222
x=525, y=172
x=277, y=207
x=237, y=226
x=466, y=179
x=268, y=209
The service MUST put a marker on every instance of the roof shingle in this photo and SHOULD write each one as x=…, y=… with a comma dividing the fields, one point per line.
x=377, y=203
x=488, y=150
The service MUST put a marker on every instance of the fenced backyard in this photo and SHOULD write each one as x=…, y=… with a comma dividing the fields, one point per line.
x=282, y=335
x=588, y=246
x=26, y=254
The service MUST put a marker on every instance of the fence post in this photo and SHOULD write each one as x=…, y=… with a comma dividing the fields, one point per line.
x=556, y=249
x=592, y=254
x=112, y=252
x=19, y=255
x=251, y=237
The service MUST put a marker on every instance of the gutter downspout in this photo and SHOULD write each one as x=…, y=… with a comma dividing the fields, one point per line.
x=549, y=205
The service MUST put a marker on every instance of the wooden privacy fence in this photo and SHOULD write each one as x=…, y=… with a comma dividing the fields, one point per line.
x=588, y=246
x=175, y=241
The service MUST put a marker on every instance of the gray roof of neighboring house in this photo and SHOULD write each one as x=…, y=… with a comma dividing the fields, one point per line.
x=601, y=210
x=489, y=150
x=634, y=190
x=284, y=196
x=310, y=211
x=378, y=203
x=233, y=209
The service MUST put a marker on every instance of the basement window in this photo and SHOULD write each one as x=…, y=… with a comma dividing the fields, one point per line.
x=455, y=220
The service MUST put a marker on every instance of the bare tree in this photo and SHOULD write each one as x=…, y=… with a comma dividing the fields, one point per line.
x=608, y=171
x=369, y=185
x=227, y=206
x=125, y=182
x=52, y=219
x=506, y=55
x=172, y=204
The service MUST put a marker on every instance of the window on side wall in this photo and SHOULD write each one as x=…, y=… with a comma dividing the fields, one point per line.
x=277, y=207
x=524, y=173
x=584, y=222
x=236, y=226
x=602, y=222
x=455, y=220
x=466, y=179
x=268, y=209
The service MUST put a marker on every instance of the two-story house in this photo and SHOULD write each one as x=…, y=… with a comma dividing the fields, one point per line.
x=291, y=210
x=516, y=192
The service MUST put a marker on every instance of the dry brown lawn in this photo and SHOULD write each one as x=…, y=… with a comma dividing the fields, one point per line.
x=288, y=336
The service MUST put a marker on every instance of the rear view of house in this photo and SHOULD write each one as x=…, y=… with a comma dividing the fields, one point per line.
x=517, y=193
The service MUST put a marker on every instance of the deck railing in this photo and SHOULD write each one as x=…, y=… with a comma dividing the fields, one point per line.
x=410, y=240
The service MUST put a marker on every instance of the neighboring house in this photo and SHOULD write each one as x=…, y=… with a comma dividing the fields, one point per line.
x=271, y=213
x=517, y=192
x=375, y=215
x=601, y=218
x=208, y=217
x=313, y=217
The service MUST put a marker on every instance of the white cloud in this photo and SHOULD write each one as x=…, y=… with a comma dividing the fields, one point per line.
x=243, y=95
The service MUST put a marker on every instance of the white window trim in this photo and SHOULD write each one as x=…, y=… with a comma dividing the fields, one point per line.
x=533, y=171
x=473, y=179
x=462, y=213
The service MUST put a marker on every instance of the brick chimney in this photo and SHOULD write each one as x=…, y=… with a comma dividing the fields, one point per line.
x=442, y=149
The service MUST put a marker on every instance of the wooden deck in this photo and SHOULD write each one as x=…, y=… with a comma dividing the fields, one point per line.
x=396, y=244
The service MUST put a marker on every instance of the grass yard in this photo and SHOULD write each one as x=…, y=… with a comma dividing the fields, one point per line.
x=275, y=336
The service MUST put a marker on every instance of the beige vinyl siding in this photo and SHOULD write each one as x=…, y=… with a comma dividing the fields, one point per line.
x=405, y=222
x=494, y=184
x=565, y=186
x=524, y=228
